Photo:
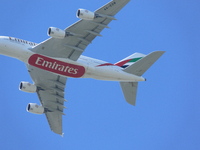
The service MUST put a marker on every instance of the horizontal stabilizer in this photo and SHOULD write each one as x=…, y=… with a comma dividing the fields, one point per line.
x=138, y=68
x=130, y=90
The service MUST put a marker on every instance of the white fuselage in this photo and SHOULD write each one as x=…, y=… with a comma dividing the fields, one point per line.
x=84, y=67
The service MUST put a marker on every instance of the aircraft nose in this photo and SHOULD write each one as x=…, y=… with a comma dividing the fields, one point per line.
x=3, y=44
x=1, y=41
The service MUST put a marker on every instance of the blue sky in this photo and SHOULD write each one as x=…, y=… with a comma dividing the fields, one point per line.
x=167, y=114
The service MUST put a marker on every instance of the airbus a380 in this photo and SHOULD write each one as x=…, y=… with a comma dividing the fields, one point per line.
x=51, y=62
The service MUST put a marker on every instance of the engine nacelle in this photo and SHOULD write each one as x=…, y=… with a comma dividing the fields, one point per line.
x=35, y=108
x=85, y=14
x=27, y=87
x=56, y=33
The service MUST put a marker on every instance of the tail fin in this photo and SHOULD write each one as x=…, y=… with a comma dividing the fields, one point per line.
x=141, y=66
x=130, y=60
x=138, y=68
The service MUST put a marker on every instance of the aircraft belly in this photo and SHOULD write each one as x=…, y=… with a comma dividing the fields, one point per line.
x=109, y=74
x=67, y=68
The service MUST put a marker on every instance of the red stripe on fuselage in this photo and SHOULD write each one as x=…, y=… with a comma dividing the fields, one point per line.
x=106, y=64
x=122, y=63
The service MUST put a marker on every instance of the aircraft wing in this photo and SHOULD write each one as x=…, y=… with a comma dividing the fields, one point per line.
x=80, y=34
x=51, y=94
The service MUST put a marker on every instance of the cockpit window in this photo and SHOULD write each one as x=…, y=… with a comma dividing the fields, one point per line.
x=22, y=41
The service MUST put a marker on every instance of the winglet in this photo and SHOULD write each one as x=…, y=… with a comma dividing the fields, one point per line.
x=62, y=135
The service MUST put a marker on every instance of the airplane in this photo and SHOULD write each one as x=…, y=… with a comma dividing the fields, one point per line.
x=51, y=62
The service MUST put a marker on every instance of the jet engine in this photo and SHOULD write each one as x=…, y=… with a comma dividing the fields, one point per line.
x=27, y=87
x=85, y=14
x=35, y=108
x=56, y=33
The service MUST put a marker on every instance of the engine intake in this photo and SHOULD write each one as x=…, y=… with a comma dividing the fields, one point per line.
x=85, y=14
x=35, y=108
x=56, y=33
x=27, y=87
